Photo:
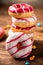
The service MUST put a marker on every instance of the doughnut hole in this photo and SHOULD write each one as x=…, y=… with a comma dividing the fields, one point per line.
x=19, y=45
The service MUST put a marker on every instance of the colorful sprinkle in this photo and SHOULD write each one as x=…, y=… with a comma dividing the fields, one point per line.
x=32, y=58
x=39, y=24
x=34, y=47
x=7, y=27
x=27, y=63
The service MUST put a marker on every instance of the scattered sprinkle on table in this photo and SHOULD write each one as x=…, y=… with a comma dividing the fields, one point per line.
x=32, y=58
x=27, y=63
x=34, y=47
x=39, y=24
x=7, y=27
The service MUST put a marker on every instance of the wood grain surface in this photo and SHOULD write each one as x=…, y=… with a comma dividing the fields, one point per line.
x=5, y=57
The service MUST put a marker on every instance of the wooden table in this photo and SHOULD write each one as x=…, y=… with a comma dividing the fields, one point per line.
x=5, y=58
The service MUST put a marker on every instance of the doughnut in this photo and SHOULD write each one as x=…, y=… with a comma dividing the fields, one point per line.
x=19, y=45
x=25, y=22
x=21, y=10
x=1, y=32
x=26, y=25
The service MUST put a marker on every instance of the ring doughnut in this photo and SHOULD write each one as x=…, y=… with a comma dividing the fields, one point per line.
x=26, y=25
x=19, y=45
x=21, y=10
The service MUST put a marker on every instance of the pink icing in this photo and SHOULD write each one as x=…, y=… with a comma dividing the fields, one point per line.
x=18, y=5
x=20, y=8
x=31, y=19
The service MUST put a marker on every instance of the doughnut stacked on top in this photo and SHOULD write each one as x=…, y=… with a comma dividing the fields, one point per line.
x=21, y=10
x=23, y=18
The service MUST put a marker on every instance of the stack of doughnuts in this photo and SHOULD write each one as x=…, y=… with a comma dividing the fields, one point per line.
x=20, y=39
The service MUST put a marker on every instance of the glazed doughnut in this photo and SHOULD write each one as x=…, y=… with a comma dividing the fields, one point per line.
x=25, y=22
x=26, y=25
x=19, y=45
x=2, y=33
x=21, y=10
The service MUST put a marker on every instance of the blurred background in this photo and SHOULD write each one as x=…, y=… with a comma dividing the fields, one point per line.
x=32, y=2
x=4, y=4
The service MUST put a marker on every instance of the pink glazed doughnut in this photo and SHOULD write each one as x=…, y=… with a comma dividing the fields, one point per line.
x=2, y=33
x=22, y=39
x=21, y=10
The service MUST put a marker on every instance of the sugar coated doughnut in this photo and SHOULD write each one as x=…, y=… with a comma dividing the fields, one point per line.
x=19, y=45
x=1, y=32
x=21, y=10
